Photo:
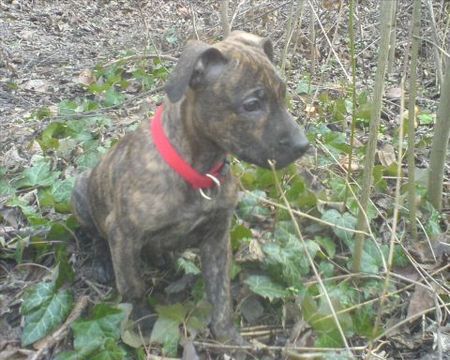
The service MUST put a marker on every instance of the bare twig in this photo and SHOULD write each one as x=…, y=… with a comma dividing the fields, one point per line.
x=434, y=34
x=141, y=57
x=224, y=18
x=386, y=26
x=194, y=21
x=329, y=41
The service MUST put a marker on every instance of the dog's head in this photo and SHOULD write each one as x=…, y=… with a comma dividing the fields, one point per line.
x=238, y=99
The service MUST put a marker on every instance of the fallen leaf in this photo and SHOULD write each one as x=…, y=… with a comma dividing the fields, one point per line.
x=27, y=34
x=421, y=300
x=255, y=251
x=394, y=93
x=86, y=77
x=331, y=4
x=386, y=155
x=38, y=85
x=345, y=163
x=12, y=159
x=310, y=109
x=443, y=338
x=252, y=309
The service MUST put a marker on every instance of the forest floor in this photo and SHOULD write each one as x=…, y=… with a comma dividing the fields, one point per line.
x=49, y=53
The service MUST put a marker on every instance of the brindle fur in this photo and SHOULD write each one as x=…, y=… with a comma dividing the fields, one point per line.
x=136, y=201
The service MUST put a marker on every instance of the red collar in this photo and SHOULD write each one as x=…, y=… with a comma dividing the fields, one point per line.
x=175, y=161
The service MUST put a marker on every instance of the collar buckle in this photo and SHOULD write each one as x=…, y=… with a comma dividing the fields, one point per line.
x=215, y=181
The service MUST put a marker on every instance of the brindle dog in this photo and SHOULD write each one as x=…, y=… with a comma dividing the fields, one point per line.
x=221, y=99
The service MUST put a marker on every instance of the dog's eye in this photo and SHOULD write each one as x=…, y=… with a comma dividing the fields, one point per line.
x=252, y=105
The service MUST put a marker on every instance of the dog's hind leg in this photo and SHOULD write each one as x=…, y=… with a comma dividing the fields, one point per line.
x=80, y=204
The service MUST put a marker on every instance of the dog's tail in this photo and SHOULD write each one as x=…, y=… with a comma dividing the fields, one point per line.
x=80, y=204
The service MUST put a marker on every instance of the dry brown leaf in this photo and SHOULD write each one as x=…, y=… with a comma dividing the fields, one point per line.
x=331, y=4
x=386, y=155
x=27, y=34
x=86, y=77
x=406, y=116
x=394, y=93
x=310, y=109
x=39, y=85
x=421, y=300
x=345, y=163
x=255, y=251
x=15, y=354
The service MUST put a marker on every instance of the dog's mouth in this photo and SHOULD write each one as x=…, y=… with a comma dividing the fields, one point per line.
x=268, y=162
x=280, y=153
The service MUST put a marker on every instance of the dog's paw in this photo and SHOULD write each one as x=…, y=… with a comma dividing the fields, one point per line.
x=231, y=336
x=228, y=335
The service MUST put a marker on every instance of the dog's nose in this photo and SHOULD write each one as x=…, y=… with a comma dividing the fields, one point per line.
x=297, y=145
x=300, y=144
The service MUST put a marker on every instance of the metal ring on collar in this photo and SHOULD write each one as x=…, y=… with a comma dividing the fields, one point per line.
x=215, y=180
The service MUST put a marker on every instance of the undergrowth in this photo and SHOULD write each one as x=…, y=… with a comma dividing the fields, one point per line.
x=270, y=259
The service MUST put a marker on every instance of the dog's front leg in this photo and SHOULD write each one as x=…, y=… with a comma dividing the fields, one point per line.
x=216, y=260
x=125, y=254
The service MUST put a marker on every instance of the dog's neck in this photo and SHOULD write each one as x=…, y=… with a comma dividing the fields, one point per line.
x=190, y=142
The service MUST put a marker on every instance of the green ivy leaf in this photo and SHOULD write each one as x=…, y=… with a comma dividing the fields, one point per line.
x=346, y=220
x=329, y=339
x=61, y=192
x=289, y=261
x=285, y=257
x=106, y=350
x=65, y=271
x=432, y=226
x=36, y=296
x=49, y=138
x=104, y=323
x=326, y=269
x=337, y=141
x=327, y=244
x=90, y=157
x=426, y=119
x=372, y=258
x=199, y=316
x=166, y=329
x=250, y=208
x=5, y=187
x=353, y=207
x=40, y=174
x=113, y=97
x=44, y=309
x=238, y=233
x=304, y=86
x=264, y=286
x=96, y=338
x=67, y=107
x=166, y=332
x=187, y=266
x=319, y=317
x=363, y=321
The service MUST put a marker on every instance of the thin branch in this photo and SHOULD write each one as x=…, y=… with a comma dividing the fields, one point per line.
x=224, y=18
x=329, y=41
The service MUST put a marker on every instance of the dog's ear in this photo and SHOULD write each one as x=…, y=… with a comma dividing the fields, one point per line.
x=267, y=46
x=253, y=40
x=198, y=65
